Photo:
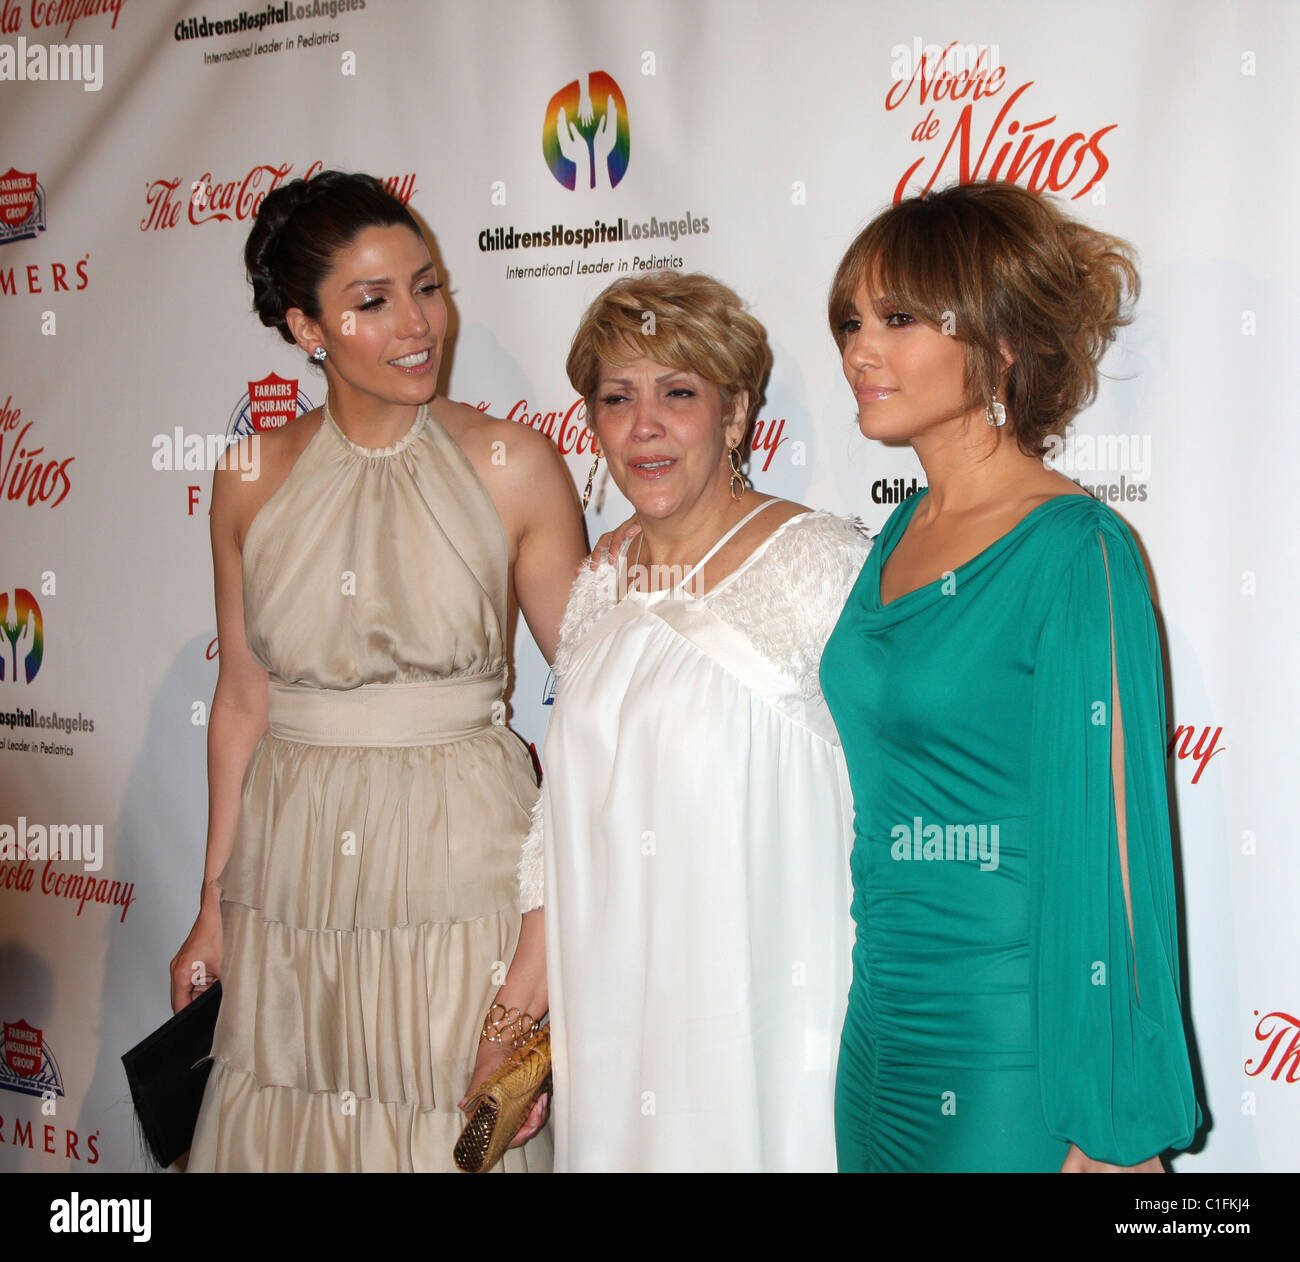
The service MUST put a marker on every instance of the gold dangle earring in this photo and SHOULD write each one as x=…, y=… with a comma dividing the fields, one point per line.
x=591, y=478
x=737, y=478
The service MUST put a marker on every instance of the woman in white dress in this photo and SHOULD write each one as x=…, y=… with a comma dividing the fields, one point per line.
x=696, y=815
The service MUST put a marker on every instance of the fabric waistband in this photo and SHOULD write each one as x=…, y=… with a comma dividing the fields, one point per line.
x=378, y=715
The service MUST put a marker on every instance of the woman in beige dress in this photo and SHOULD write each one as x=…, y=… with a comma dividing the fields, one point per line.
x=360, y=891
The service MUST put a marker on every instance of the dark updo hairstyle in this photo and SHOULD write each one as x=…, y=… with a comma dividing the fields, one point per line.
x=994, y=264
x=300, y=228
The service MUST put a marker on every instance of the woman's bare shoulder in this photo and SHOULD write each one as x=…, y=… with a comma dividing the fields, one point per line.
x=515, y=455
x=258, y=467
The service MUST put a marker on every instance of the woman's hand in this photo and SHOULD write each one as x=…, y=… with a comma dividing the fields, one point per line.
x=490, y=1056
x=610, y=544
x=1078, y=1162
x=198, y=963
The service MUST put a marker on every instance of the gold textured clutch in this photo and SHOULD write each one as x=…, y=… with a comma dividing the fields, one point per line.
x=498, y=1108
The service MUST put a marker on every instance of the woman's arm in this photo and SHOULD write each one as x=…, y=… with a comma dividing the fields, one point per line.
x=538, y=505
x=524, y=989
x=530, y=487
x=1113, y=1059
x=552, y=540
x=235, y=724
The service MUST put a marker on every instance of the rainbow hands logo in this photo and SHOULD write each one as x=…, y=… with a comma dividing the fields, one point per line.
x=24, y=632
x=585, y=137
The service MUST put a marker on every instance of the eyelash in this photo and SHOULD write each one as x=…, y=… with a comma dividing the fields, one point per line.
x=374, y=303
x=612, y=400
x=853, y=324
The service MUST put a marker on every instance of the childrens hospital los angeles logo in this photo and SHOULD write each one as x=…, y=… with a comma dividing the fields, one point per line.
x=22, y=644
x=585, y=135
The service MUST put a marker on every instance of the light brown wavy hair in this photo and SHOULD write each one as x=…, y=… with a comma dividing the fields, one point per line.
x=998, y=266
x=699, y=326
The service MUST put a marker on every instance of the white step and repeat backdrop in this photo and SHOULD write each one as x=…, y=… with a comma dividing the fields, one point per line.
x=746, y=139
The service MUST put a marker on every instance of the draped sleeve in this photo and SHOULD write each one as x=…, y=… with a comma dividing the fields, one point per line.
x=1112, y=1054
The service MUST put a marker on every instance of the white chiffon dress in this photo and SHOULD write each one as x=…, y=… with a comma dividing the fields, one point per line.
x=696, y=821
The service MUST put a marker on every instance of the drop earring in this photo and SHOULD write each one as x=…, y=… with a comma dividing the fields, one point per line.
x=591, y=478
x=737, y=478
x=996, y=413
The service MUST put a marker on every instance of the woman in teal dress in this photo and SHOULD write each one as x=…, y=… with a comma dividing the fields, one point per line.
x=996, y=681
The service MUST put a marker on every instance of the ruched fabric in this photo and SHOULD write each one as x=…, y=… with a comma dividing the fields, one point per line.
x=371, y=894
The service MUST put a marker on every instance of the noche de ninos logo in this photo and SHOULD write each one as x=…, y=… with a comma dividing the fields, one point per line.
x=585, y=136
x=24, y=636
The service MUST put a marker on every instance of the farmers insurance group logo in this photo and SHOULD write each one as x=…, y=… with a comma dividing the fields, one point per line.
x=28, y=1065
x=23, y=643
x=585, y=137
x=22, y=206
x=269, y=404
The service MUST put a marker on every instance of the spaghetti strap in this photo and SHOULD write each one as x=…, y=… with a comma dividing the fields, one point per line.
x=726, y=538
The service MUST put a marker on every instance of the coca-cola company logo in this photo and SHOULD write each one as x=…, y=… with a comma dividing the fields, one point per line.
x=44, y=14
x=22, y=205
x=1280, y=1033
x=1032, y=153
x=1196, y=745
x=212, y=200
x=567, y=429
x=27, y=474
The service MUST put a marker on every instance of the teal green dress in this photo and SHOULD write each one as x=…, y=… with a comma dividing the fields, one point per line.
x=999, y=1009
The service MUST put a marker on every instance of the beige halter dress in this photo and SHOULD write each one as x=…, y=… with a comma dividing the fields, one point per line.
x=372, y=893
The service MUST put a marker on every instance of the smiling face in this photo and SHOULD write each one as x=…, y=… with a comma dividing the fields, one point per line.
x=382, y=319
x=662, y=431
x=907, y=377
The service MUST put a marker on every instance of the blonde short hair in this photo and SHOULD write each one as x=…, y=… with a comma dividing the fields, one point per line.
x=994, y=264
x=684, y=320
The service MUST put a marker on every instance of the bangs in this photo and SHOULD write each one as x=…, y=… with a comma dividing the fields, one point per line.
x=622, y=336
x=908, y=263
x=686, y=321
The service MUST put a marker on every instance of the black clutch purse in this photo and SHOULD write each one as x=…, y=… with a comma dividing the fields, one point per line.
x=167, y=1073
